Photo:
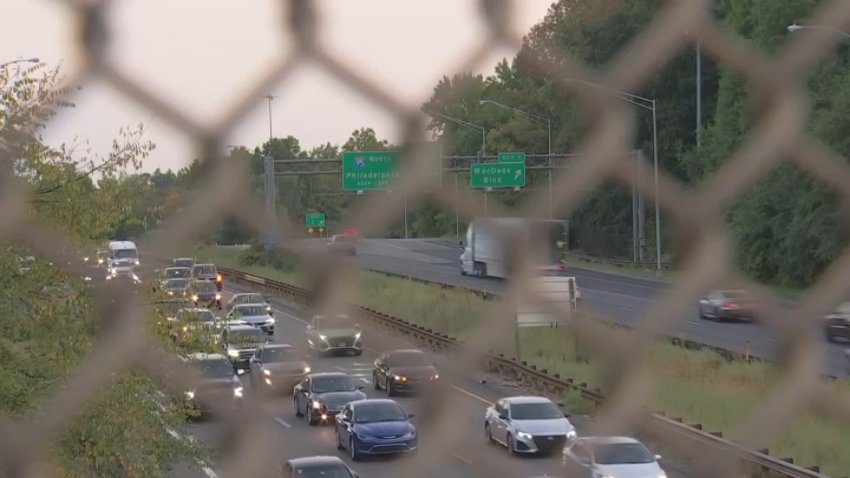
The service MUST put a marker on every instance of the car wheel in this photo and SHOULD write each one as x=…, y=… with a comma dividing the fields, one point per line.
x=311, y=418
x=375, y=382
x=352, y=449
x=338, y=441
x=297, y=409
x=509, y=441
x=388, y=386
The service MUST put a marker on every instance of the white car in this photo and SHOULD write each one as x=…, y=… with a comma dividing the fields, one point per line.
x=257, y=315
x=246, y=298
x=613, y=457
x=528, y=425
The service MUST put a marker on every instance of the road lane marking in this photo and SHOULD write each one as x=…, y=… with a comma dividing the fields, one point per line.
x=463, y=459
x=365, y=380
x=282, y=422
x=470, y=394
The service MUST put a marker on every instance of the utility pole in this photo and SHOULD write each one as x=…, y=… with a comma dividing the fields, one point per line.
x=270, y=186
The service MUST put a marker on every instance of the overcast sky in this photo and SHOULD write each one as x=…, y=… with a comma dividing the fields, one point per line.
x=198, y=53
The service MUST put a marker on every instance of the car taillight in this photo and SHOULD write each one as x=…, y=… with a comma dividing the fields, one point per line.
x=729, y=304
x=562, y=266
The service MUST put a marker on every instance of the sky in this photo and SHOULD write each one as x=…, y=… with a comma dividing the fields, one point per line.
x=201, y=55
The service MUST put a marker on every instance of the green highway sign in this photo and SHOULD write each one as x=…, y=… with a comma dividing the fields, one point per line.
x=315, y=219
x=365, y=170
x=497, y=175
x=518, y=157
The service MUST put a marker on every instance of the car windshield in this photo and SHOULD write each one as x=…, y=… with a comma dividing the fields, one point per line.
x=621, y=454
x=251, y=310
x=277, y=354
x=176, y=272
x=408, y=359
x=216, y=368
x=124, y=254
x=535, y=411
x=247, y=337
x=183, y=263
x=340, y=322
x=249, y=299
x=205, y=287
x=197, y=316
x=323, y=471
x=378, y=412
x=206, y=270
x=176, y=283
x=333, y=384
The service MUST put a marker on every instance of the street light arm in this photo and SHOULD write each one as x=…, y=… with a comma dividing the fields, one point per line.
x=625, y=96
x=542, y=120
x=465, y=124
x=795, y=27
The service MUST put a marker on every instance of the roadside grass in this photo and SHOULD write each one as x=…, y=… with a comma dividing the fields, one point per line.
x=701, y=386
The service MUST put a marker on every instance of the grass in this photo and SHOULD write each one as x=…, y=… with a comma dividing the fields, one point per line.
x=698, y=385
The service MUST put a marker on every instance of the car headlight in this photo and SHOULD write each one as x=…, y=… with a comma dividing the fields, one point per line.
x=185, y=328
x=317, y=404
x=218, y=297
x=435, y=376
x=85, y=259
x=357, y=335
x=524, y=435
x=662, y=475
x=190, y=394
x=268, y=308
x=307, y=369
x=237, y=392
x=571, y=434
x=195, y=297
x=400, y=378
x=233, y=352
x=137, y=262
x=267, y=373
x=323, y=337
x=270, y=321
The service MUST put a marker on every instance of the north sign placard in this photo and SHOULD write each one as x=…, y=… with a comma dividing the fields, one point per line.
x=315, y=219
x=512, y=157
x=497, y=175
x=369, y=170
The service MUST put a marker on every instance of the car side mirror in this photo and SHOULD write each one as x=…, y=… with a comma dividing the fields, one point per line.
x=657, y=457
x=567, y=414
x=411, y=415
x=460, y=243
x=271, y=314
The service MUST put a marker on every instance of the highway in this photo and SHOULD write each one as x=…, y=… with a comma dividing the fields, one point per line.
x=620, y=298
x=469, y=455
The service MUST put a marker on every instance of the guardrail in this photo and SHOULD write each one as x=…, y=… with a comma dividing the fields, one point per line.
x=759, y=463
x=649, y=265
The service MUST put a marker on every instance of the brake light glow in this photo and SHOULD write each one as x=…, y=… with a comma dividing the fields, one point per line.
x=729, y=304
x=562, y=266
x=218, y=278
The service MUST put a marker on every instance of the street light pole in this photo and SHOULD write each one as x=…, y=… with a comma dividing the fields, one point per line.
x=795, y=28
x=270, y=186
x=541, y=120
x=699, y=94
x=648, y=104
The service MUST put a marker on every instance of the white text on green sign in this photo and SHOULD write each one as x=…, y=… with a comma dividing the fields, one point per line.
x=497, y=175
x=362, y=170
x=514, y=157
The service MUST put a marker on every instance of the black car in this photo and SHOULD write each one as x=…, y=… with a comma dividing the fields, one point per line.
x=203, y=293
x=403, y=370
x=277, y=367
x=317, y=467
x=218, y=385
x=208, y=273
x=186, y=262
x=322, y=395
x=175, y=287
x=240, y=341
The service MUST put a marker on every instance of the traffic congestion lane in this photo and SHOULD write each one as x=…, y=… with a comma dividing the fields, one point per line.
x=472, y=397
x=619, y=298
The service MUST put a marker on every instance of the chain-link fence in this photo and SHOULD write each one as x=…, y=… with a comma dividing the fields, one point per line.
x=698, y=215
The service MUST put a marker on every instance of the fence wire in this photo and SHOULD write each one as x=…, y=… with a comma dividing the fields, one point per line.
x=252, y=449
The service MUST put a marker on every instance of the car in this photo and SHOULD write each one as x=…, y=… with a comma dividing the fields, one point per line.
x=175, y=287
x=528, y=424
x=277, y=366
x=837, y=324
x=246, y=298
x=317, y=467
x=169, y=308
x=615, y=457
x=377, y=426
x=722, y=305
x=403, y=370
x=218, y=383
x=204, y=293
x=186, y=262
x=209, y=273
x=189, y=320
x=321, y=396
x=342, y=244
x=337, y=333
x=176, y=273
x=257, y=315
x=240, y=341
x=102, y=256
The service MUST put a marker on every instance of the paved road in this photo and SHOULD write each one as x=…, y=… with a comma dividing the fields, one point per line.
x=622, y=299
x=466, y=453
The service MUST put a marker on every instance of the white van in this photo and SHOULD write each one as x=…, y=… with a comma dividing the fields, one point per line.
x=123, y=258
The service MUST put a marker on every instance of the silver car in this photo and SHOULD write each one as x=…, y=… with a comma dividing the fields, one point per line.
x=330, y=334
x=246, y=298
x=257, y=315
x=614, y=457
x=528, y=424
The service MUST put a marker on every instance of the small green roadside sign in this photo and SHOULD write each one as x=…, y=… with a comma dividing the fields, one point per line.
x=497, y=175
x=315, y=219
x=515, y=157
x=369, y=170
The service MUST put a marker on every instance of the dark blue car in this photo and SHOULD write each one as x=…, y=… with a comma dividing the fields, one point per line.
x=374, y=427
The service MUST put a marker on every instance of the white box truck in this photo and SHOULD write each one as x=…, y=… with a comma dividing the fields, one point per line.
x=485, y=246
x=123, y=258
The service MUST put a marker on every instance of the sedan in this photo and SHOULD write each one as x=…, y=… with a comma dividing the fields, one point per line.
x=317, y=467
x=338, y=333
x=321, y=396
x=257, y=315
x=613, y=457
x=722, y=305
x=277, y=367
x=528, y=425
x=175, y=287
x=375, y=427
x=204, y=293
x=247, y=298
x=403, y=370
